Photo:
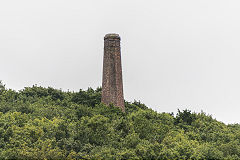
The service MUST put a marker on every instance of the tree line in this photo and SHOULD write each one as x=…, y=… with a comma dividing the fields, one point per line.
x=48, y=123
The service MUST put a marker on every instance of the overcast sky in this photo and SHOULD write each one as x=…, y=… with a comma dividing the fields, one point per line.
x=175, y=53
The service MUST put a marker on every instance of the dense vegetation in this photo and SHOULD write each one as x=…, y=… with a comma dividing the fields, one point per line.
x=46, y=123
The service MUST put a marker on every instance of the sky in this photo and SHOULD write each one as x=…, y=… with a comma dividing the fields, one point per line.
x=175, y=54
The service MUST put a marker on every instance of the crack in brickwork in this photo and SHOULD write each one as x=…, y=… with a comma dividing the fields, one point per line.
x=112, y=84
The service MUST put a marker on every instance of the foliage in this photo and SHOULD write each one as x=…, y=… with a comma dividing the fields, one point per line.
x=2, y=86
x=47, y=123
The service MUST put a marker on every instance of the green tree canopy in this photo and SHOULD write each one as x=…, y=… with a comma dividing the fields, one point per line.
x=48, y=123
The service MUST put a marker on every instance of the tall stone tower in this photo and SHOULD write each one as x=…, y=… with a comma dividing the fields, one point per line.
x=112, y=84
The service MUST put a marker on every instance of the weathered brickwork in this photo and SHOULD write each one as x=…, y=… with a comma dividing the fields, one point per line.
x=112, y=84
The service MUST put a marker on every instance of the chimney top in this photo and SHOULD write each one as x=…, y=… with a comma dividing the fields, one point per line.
x=112, y=36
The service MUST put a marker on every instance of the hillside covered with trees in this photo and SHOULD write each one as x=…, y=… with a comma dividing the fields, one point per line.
x=47, y=123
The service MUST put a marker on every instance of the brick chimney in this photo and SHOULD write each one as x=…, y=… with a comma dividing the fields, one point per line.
x=112, y=84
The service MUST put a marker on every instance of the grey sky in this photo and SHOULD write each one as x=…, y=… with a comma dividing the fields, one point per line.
x=176, y=54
